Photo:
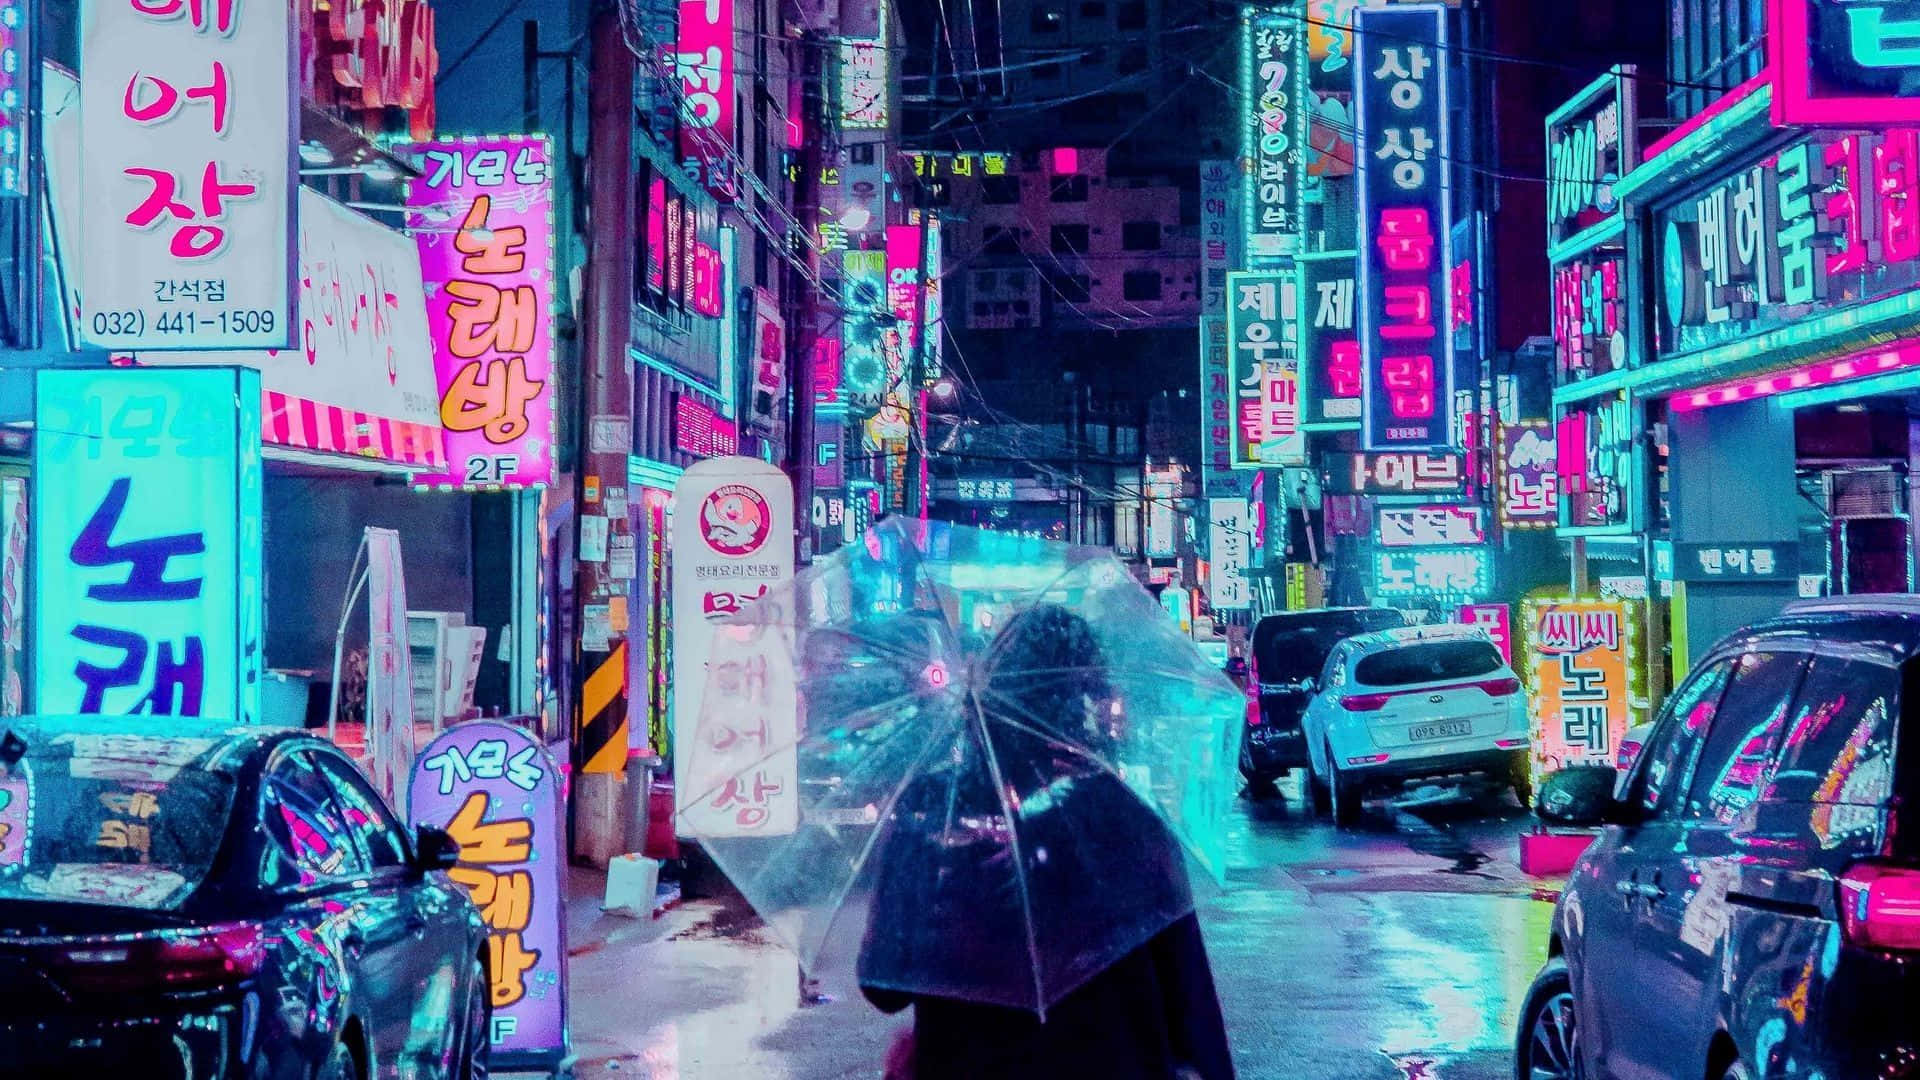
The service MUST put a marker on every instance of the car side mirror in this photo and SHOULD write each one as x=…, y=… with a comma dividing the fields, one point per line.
x=1579, y=795
x=434, y=849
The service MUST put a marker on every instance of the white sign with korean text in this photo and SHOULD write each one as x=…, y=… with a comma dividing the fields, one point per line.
x=1430, y=526
x=186, y=174
x=738, y=770
x=1230, y=536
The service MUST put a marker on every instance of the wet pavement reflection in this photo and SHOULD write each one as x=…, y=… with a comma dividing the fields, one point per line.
x=1398, y=950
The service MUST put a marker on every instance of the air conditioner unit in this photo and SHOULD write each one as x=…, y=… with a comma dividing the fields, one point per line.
x=1875, y=493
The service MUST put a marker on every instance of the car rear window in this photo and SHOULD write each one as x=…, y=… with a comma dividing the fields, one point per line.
x=1298, y=646
x=1427, y=661
x=1838, y=749
x=120, y=820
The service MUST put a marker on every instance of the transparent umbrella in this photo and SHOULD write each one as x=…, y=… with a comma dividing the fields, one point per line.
x=979, y=762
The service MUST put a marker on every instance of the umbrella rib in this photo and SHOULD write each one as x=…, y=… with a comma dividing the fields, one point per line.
x=978, y=717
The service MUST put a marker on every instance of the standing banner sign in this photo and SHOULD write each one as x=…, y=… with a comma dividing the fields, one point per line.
x=1400, y=86
x=499, y=794
x=1273, y=88
x=1581, y=657
x=146, y=542
x=482, y=216
x=1230, y=546
x=389, y=666
x=186, y=174
x=732, y=544
x=1495, y=619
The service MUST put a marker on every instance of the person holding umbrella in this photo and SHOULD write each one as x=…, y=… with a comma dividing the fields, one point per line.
x=991, y=826
x=1152, y=1014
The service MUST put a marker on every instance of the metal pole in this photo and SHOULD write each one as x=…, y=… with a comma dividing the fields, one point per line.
x=530, y=76
x=917, y=372
x=804, y=297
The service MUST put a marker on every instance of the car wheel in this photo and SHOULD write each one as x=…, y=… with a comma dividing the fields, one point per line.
x=1343, y=795
x=1520, y=772
x=476, y=1042
x=1260, y=788
x=339, y=1065
x=1549, y=1042
x=1317, y=792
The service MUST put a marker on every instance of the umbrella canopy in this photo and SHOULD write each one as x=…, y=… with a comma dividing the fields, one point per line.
x=974, y=758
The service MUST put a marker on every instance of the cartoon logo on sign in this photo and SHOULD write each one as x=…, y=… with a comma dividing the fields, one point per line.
x=735, y=520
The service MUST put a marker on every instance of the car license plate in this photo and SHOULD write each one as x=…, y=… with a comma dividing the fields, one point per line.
x=1450, y=729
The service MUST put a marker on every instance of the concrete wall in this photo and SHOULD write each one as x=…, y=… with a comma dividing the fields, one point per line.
x=1732, y=482
x=313, y=528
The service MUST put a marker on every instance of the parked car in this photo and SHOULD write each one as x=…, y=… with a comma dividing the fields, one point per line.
x=1752, y=905
x=178, y=901
x=1421, y=703
x=1289, y=649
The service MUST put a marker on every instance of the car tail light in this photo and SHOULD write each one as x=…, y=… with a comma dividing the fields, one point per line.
x=197, y=959
x=1499, y=687
x=1510, y=744
x=1253, y=713
x=1880, y=905
x=1629, y=753
x=1365, y=702
x=1368, y=759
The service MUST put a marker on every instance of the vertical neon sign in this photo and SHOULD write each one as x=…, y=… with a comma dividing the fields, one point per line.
x=146, y=542
x=1273, y=81
x=1843, y=63
x=1400, y=87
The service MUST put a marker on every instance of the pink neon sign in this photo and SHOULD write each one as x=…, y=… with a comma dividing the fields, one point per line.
x=1857, y=366
x=1840, y=63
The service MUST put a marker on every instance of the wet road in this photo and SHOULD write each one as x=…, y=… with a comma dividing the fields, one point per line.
x=1397, y=951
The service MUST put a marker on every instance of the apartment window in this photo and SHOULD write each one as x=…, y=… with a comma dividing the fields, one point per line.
x=1047, y=20
x=1093, y=9
x=1140, y=236
x=1068, y=189
x=980, y=309
x=1141, y=285
x=1073, y=288
x=1069, y=239
x=986, y=281
x=1000, y=190
x=1133, y=15
x=1000, y=241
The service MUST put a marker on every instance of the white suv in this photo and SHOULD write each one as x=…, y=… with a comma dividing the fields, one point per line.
x=1419, y=703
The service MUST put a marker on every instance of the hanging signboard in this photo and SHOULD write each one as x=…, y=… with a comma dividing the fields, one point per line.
x=1217, y=180
x=1589, y=314
x=13, y=596
x=1580, y=661
x=19, y=127
x=1230, y=546
x=1528, y=495
x=1495, y=619
x=1330, y=369
x=1594, y=453
x=1842, y=63
x=1273, y=84
x=501, y=797
x=1429, y=526
x=732, y=544
x=1764, y=561
x=1403, y=473
x=1592, y=141
x=863, y=84
x=1216, y=400
x=1402, y=117
x=186, y=175
x=1264, y=367
x=1433, y=574
x=482, y=216
x=768, y=403
x=704, y=64
x=146, y=542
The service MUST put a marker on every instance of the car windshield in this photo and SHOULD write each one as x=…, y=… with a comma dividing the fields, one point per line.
x=114, y=819
x=1427, y=661
x=1297, y=647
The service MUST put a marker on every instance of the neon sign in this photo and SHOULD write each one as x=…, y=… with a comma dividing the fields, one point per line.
x=704, y=64
x=1330, y=350
x=1459, y=574
x=1429, y=526
x=1401, y=89
x=1594, y=452
x=1591, y=142
x=1394, y=473
x=1843, y=63
x=1529, y=489
x=1273, y=78
x=1265, y=368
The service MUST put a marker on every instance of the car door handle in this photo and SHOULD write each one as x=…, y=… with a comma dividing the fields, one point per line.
x=1627, y=889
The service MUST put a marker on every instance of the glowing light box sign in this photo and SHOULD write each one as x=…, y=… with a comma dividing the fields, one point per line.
x=1330, y=350
x=1393, y=473
x=1829, y=222
x=1592, y=141
x=1843, y=63
x=1400, y=88
x=863, y=350
x=1458, y=574
x=1581, y=660
x=1429, y=526
x=482, y=216
x=1589, y=315
x=499, y=794
x=863, y=84
x=146, y=542
x=1264, y=368
x=1495, y=619
x=704, y=65
x=1528, y=487
x=1594, y=462
x=1273, y=78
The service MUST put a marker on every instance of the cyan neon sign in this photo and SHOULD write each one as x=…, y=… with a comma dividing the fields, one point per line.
x=1843, y=63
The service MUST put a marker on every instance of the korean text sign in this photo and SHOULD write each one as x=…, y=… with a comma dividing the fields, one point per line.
x=186, y=174
x=1579, y=660
x=482, y=214
x=1273, y=85
x=1495, y=619
x=1230, y=540
x=1400, y=86
x=1264, y=367
x=1330, y=350
x=498, y=793
x=1591, y=143
x=732, y=545
x=1842, y=63
x=1429, y=526
x=1394, y=474
x=1462, y=573
x=863, y=84
x=1217, y=180
x=146, y=542
x=1529, y=488
x=704, y=64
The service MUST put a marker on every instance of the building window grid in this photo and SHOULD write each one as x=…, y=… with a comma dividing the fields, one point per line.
x=1722, y=44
